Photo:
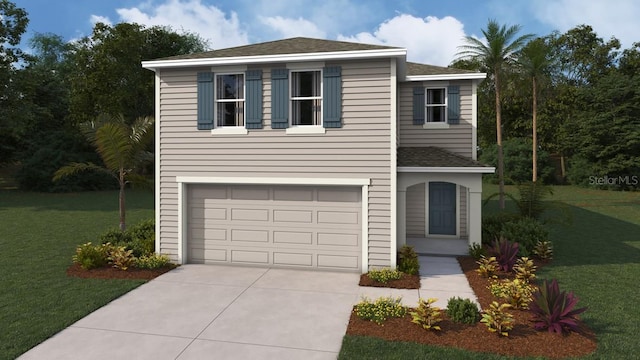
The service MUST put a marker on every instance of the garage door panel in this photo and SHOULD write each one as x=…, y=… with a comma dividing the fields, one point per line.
x=295, y=226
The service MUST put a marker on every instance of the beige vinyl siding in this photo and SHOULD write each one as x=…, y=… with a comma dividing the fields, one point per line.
x=415, y=214
x=457, y=138
x=360, y=149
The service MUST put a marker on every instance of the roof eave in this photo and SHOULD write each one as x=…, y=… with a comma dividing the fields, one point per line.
x=261, y=59
x=462, y=76
x=452, y=169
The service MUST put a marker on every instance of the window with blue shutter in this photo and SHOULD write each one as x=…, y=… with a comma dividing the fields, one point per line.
x=418, y=105
x=279, y=98
x=205, y=100
x=253, y=99
x=332, y=97
x=453, y=105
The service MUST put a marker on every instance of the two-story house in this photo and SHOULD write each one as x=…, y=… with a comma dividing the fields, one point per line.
x=312, y=153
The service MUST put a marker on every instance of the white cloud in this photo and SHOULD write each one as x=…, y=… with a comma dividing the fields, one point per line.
x=430, y=40
x=94, y=19
x=608, y=18
x=220, y=29
x=289, y=27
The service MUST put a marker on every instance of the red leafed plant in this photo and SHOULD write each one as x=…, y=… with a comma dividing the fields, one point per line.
x=505, y=253
x=554, y=309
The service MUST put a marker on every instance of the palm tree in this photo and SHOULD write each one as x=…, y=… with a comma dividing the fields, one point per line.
x=122, y=148
x=535, y=59
x=496, y=53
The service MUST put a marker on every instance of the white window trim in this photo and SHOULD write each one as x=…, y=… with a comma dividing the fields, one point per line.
x=305, y=130
x=291, y=99
x=427, y=106
x=223, y=129
x=230, y=130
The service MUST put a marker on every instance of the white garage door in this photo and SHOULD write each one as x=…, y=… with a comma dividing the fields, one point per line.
x=285, y=226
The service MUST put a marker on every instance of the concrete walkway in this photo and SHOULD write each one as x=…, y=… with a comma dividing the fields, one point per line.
x=230, y=312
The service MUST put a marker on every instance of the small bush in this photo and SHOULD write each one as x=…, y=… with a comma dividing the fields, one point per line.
x=139, y=238
x=120, y=258
x=526, y=232
x=408, y=261
x=553, y=309
x=497, y=319
x=463, y=311
x=505, y=253
x=543, y=250
x=476, y=251
x=153, y=261
x=89, y=256
x=426, y=315
x=516, y=293
x=384, y=275
x=525, y=269
x=492, y=225
x=115, y=236
x=487, y=266
x=380, y=310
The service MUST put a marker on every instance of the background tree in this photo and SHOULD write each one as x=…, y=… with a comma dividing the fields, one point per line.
x=496, y=53
x=122, y=149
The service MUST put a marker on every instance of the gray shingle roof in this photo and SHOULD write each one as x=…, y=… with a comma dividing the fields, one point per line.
x=432, y=157
x=297, y=45
x=414, y=69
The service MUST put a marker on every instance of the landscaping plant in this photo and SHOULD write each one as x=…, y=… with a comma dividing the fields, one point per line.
x=381, y=309
x=120, y=257
x=463, y=311
x=526, y=232
x=497, y=319
x=384, y=275
x=426, y=315
x=476, y=251
x=516, y=293
x=487, y=266
x=543, y=250
x=492, y=225
x=525, y=269
x=554, y=310
x=505, y=253
x=153, y=261
x=408, y=260
x=89, y=256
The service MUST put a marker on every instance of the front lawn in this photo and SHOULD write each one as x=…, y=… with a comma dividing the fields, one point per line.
x=597, y=256
x=39, y=233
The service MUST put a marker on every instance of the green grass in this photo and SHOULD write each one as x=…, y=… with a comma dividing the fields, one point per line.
x=597, y=256
x=38, y=235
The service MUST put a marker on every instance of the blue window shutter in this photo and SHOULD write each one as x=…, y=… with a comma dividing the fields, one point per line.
x=279, y=98
x=253, y=99
x=332, y=97
x=418, y=105
x=205, y=100
x=453, y=105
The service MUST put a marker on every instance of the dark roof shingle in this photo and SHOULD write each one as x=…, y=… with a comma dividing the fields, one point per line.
x=433, y=157
x=414, y=69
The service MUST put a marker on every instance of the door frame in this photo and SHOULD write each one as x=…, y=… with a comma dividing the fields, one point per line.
x=426, y=212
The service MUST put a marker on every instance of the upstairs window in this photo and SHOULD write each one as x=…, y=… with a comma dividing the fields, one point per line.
x=229, y=100
x=306, y=98
x=436, y=105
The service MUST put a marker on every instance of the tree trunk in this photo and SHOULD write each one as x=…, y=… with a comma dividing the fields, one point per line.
x=123, y=225
x=535, y=131
x=499, y=141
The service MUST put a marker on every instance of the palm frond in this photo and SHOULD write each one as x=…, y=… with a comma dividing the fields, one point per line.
x=75, y=168
x=142, y=132
x=139, y=181
x=114, y=146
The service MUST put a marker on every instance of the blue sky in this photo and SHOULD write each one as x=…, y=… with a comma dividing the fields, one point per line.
x=430, y=30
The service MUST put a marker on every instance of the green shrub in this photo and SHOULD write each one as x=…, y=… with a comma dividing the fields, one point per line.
x=517, y=293
x=476, y=251
x=426, y=315
x=497, y=319
x=408, y=260
x=380, y=310
x=153, y=261
x=543, y=250
x=517, y=162
x=487, y=266
x=492, y=225
x=384, y=275
x=525, y=269
x=120, y=258
x=89, y=256
x=115, y=236
x=463, y=311
x=526, y=232
x=139, y=238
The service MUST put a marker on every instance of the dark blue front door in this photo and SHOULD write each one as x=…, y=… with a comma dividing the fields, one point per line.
x=442, y=208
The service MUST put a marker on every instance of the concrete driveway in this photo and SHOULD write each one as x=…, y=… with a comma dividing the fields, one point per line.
x=231, y=312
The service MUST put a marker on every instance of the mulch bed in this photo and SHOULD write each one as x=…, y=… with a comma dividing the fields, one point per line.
x=405, y=282
x=113, y=273
x=523, y=340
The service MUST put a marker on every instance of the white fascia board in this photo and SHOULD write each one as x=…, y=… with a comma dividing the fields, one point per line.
x=461, y=169
x=260, y=59
x=271, y=180
x=468, y=76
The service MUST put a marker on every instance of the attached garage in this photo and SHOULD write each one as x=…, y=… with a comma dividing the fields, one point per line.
x=314, y=227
